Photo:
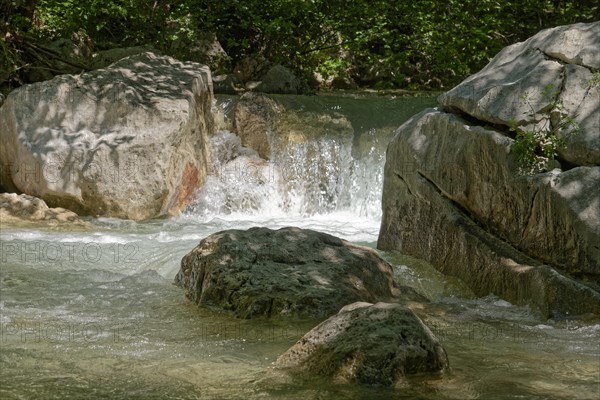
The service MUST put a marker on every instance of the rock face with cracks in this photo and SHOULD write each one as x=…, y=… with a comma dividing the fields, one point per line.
x=367, y=343
x=453, y=195
x=290, y=271
x=128, y=141
x=565, y=58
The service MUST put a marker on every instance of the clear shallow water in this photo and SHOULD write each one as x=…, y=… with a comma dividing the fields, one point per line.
x=95, y=315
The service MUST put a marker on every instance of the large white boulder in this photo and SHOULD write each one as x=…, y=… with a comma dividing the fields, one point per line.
x=454, y=196
x=566, y=58
x=127, y=141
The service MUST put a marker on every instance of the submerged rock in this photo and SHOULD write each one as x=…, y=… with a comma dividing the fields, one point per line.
x=453, y=194
x=290, y=271
x=128, y=141
x=373, y=344
x=19, y=210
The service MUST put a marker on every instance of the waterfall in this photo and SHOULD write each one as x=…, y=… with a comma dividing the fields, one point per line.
x=317, y=176
x=326, y=160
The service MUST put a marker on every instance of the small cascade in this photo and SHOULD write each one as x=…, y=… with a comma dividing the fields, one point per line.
x=323, y=169
x=239, y=181
x=326, y=158
x=326, y=174
x=320, y=175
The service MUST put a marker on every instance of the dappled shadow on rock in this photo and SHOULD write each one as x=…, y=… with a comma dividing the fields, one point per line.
x=455, y=196
x=25, y=211
x=127, y=141
x=524, y=79
x=290, y=271
x=371, y=344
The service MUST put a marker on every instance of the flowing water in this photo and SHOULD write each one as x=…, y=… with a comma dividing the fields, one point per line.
x=94, y=314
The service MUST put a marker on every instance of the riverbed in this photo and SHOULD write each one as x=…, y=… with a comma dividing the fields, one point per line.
x=95, y=314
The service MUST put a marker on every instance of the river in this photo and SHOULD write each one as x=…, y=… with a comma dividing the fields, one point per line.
x=94, y=314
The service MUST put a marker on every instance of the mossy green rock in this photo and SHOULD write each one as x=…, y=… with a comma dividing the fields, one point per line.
x=368, y=343
x=290, y=271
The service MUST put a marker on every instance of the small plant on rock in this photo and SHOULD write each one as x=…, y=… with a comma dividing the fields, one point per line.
x=594, y=80
x=537, y=145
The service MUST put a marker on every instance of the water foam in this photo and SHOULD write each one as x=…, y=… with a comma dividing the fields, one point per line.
x=306, y=179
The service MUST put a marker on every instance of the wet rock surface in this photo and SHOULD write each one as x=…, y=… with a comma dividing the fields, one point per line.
x=290, y=271
x=367, y=343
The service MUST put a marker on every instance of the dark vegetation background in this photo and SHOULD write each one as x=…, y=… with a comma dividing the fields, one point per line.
x=416, y=44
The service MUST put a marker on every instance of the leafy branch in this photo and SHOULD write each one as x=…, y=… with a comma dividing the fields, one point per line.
x=538, y=145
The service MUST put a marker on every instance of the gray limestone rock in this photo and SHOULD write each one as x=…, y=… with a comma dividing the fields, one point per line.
x=128, y=141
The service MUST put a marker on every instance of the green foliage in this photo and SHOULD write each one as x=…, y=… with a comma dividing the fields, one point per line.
x=117, y=22
x=412, y=44
x=332, y=67
x=536, y=146
x=594, y=80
